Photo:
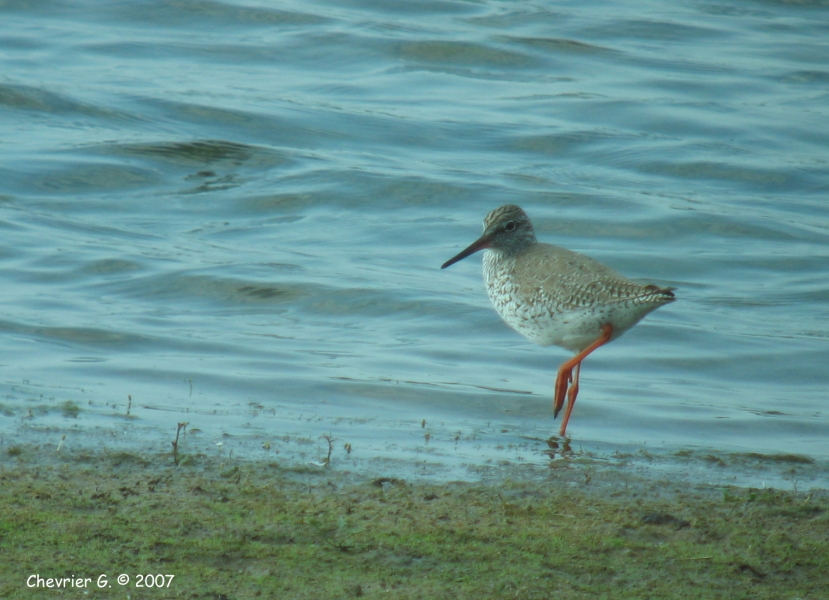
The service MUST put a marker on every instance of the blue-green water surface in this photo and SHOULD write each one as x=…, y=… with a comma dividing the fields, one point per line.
x=234, y=213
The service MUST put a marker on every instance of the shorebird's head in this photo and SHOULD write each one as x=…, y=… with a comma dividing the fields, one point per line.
x=507, y=229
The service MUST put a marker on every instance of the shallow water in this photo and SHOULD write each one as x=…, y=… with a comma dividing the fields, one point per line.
x=235, y=213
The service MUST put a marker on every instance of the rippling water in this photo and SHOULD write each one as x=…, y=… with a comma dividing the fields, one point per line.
x=235, y=213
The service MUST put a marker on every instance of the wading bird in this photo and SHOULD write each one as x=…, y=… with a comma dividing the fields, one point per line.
x=552, y=295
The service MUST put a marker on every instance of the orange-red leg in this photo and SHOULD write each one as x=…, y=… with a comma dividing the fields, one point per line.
x=565, y=378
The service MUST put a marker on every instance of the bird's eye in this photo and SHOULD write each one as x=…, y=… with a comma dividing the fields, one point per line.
x=510, y=226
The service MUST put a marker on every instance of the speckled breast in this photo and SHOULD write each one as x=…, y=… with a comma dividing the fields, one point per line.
x=532, y=315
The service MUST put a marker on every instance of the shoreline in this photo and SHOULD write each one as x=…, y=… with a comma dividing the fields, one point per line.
x=234, y=528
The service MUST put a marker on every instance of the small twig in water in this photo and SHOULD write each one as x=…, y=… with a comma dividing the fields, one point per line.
x=175, y=443
x=328, y=438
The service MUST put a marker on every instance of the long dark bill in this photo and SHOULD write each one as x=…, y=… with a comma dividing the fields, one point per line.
x=479, y=244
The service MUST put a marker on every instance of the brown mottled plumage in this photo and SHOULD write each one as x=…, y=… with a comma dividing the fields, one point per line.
x=552, y=295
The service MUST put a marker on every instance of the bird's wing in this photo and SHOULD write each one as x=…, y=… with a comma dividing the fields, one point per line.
x=569, y=281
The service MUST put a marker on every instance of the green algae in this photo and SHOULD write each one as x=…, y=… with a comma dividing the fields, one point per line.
x=70, y=409
x=231, y=529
